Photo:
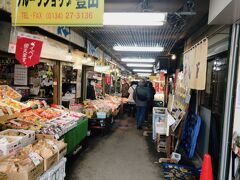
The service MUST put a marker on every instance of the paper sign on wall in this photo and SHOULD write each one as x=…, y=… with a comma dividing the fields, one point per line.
x=57, y=12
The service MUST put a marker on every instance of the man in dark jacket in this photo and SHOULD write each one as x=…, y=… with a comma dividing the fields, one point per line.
x=141, y=97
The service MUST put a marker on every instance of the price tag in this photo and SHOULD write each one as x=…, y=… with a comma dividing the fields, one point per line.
x=187, y=99
x=9, y=110
x=36, y=159
x=15, y=123
x=1, y=112
x=3, y=140
x=56, y=136
x=51, y=143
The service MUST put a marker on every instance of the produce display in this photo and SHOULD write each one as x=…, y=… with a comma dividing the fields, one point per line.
x=6, y=110
x=20, y=124
x=34, y=103
x=47, y=113
x=14, y=104
x=30, y=156
x=109, y=105
x=13, y=133
x=7, y=92
x=21, y=156
x=30, y=116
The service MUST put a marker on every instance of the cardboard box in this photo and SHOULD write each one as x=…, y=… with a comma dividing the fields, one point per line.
x=25, y=140
x=62, y=152
x=49, y=162
x=33, y=174
x=57, y=172
x=3, y=176
x=45, y=136
x=3, y=119
x=11, y=147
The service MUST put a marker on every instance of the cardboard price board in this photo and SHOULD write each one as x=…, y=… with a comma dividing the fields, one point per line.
x=57, y=12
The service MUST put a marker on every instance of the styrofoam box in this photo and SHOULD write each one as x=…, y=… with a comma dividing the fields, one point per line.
x=57, y=172
x=161, y=127
x=12, y=147
x=101, y=115
x=25, y=140
x=159, y=115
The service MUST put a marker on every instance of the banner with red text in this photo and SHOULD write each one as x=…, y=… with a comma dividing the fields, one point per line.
x=28, y=51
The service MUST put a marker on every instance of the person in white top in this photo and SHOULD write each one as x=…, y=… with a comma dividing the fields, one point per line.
x=131, y=102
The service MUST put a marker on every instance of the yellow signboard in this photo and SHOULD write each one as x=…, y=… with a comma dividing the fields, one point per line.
x=57, y=12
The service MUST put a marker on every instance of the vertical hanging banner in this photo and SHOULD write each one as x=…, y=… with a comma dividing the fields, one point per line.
x=28, y=50
x=195, y=66
x=57, y=12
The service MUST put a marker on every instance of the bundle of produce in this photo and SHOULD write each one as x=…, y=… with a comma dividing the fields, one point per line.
x=6, y=110
x=31, y=116
x=51, y=130
x=34, y=103
x=22, y=124
x=30, y=156
x=7, y=92
x=14, y=104
x=49, y=113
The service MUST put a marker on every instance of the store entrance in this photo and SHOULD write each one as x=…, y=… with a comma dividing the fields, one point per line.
x=85, y=69
x=213, y=99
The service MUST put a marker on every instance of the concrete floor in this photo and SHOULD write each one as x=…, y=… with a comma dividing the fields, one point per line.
x=122, y=155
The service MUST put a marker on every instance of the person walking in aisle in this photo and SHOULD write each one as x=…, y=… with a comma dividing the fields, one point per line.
x=141, y=97
x=131, y=102
x=152, y=93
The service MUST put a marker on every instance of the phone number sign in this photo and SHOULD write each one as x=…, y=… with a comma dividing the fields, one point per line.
x=57, y=12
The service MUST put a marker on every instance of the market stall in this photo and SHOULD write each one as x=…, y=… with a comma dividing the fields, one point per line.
x=101, y=112
x=36, y=134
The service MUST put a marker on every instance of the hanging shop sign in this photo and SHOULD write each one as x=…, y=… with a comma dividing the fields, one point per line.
x=28, y=50
x=91, y=49
x=195, y=65
x=107, y=57
x=57, y=12
x=102, y=69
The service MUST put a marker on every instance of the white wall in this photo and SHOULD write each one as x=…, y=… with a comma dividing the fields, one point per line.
x=236, y=124
x=215, y=8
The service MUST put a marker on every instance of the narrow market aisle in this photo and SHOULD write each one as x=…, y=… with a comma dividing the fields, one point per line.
x=122, y=155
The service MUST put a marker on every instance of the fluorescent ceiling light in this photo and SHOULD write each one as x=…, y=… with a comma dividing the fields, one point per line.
x=139, y=65
x=134, y=19
x=144, y=74
x=137, y=60
x=139, y=48
x=142, y=70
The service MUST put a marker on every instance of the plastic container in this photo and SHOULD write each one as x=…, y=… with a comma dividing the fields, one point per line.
x=101, y=115
x=176, y=156
x=159, y=114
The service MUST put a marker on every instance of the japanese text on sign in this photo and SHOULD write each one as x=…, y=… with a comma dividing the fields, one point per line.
x=58, y=12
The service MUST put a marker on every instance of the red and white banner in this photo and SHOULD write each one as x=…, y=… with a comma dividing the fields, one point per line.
x=28, y=51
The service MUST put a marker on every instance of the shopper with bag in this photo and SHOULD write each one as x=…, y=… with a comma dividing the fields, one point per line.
x=141, y=97
x=131, y=102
